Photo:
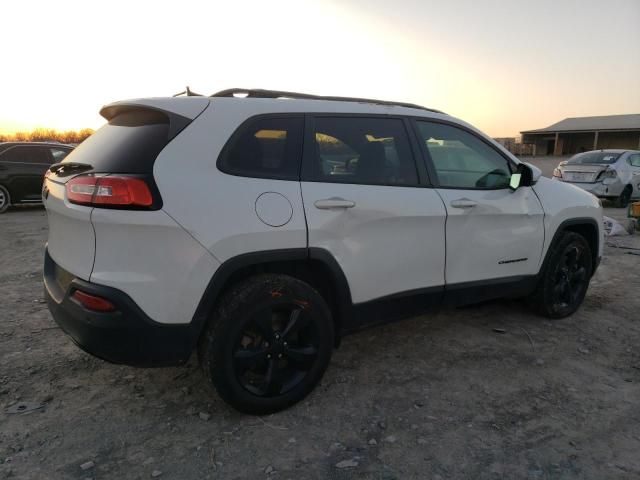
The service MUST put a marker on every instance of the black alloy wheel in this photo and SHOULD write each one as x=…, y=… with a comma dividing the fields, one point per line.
x=564, y=281
x=268, y=343
x=570, y=277
x=276, y=349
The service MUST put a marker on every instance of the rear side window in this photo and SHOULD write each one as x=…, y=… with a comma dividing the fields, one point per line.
x=370, y=151
x=634, y=160
x=58, y=154
x=267, y=147
x=129, y=143
x=26, y=154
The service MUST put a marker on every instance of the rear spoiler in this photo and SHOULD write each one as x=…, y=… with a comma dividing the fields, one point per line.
x=179, y=114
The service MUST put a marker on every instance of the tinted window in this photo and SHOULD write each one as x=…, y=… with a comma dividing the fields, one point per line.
x=462, y=160
x=268, y=147
x=371, y=151
x=129, y=143
x=58, y=154
x=27, y=155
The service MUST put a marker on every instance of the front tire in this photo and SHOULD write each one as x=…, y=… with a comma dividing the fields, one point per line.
x=5, y=199
x=563, y=283
x=268, y=343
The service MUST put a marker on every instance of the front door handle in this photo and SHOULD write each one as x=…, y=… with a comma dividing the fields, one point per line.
x=334, y=203
x=463, y=203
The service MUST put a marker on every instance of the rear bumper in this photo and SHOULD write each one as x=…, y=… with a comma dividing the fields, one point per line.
x=600, y=189
x=125, y=336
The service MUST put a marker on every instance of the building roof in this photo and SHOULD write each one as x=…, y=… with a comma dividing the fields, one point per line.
x=591, y=124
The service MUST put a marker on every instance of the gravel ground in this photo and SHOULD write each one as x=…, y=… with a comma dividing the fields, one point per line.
x=489, y=391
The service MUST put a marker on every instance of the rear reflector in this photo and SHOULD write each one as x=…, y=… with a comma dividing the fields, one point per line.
x=93, y=302
x=109, y=191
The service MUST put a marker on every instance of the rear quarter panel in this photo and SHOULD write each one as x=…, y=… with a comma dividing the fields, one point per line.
x=152, y=259
x=217, y=209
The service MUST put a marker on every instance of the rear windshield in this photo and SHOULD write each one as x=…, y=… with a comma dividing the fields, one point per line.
x=594, y=157
x=129, y=143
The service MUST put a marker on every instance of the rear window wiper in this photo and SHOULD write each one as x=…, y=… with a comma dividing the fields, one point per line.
x=69, y=167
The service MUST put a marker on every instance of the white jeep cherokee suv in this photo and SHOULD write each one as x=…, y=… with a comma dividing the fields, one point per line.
x=259, y=230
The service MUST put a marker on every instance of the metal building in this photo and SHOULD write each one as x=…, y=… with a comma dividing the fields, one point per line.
x=580, y=134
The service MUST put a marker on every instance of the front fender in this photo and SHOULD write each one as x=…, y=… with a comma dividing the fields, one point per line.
x=565, y=207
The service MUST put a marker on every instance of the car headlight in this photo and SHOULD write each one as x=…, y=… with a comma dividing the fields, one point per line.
x=557, y=173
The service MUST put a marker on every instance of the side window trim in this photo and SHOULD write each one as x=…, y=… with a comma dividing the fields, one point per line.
x=426, y=156
x=308, y=171
x=240, y=129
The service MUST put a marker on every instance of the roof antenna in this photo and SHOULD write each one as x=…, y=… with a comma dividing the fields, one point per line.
x=188, y=93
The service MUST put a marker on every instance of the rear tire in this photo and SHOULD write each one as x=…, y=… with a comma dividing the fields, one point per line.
x=623, y=200
x=564, y=282
x=5, y=199
x=267, y=344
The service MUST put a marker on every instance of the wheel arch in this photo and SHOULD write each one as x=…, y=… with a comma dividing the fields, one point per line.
x=586, y=227
x=9, y=194
x=315, y=266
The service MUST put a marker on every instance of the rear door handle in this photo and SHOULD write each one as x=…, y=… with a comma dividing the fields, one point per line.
x=463, y=203
x=334, y=203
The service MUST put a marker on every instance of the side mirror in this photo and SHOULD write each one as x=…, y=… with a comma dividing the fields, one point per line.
x=522, y=177
x=536, y=173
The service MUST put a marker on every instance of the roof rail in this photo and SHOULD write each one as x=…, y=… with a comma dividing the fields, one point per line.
x=260, y=93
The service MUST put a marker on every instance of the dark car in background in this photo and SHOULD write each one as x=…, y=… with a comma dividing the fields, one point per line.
x=22, y=168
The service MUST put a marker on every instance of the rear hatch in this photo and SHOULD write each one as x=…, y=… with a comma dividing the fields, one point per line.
x=127, y=145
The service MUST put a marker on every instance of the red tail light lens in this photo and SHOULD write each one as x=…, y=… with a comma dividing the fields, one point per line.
x=93, y=302
x=109, y=191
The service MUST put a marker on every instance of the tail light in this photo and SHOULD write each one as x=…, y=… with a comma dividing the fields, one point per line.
x=608, y=173
x=109, y=191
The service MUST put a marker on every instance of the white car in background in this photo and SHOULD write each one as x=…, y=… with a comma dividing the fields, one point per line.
x=610, y=174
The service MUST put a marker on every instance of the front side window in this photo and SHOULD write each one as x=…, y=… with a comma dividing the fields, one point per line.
x=371, y=151
x=266, y=148
x=462, y=160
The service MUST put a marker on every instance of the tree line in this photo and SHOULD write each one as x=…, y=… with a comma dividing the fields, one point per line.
x=47, y=135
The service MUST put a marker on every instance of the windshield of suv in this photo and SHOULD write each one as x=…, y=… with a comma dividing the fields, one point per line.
x=594, y=157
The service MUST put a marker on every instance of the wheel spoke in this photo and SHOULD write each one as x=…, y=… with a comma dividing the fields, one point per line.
x=273, y=379
x=572, y=258
x=249, y=357
x=562, y=291
x=297, y=321
x=263, y=320
x=580, y=274
x=302, y=356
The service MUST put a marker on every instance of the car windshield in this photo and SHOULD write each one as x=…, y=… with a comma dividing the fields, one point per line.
x=594, y=157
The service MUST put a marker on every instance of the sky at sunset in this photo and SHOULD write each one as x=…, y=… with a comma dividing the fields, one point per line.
x=504, y=66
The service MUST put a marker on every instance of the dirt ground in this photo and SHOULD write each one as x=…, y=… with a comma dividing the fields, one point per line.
x=437, y=397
